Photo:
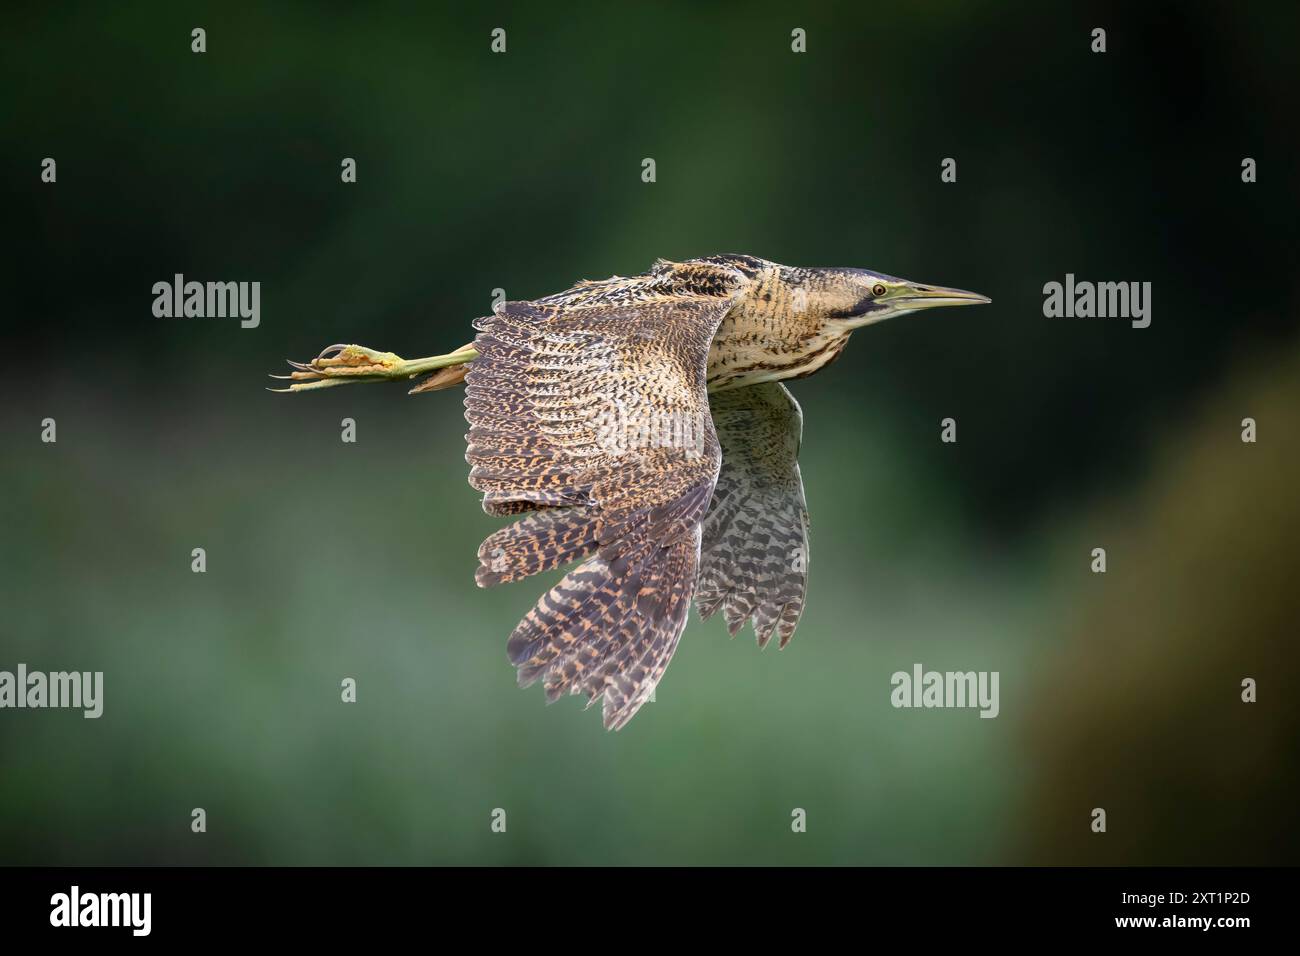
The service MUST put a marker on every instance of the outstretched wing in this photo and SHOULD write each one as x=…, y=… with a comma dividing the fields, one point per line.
x=588, y=412
x=754, y=556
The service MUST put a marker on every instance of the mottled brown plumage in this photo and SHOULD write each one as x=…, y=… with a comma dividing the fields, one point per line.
x=754, y=548
x=638, y=426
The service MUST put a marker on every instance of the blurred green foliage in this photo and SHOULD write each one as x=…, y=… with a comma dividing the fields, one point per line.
x=522, y=171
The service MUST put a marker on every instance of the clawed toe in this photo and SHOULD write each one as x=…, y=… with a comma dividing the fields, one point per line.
x=340, y=364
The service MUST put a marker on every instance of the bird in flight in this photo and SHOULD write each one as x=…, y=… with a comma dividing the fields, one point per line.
x=639, y=426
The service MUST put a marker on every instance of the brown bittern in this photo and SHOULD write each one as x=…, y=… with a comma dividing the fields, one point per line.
x=639, y=427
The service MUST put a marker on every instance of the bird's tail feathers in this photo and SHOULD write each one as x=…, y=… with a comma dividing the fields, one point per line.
x=442, y=378
x=448, y=377
x=609, y=628
x=539, y=542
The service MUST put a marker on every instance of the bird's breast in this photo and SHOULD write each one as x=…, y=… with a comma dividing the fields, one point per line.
x=757, y=344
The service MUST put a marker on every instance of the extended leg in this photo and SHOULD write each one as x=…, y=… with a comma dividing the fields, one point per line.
x=345, y=364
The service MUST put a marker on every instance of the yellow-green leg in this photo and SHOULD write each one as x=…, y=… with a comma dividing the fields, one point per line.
x=346, y=364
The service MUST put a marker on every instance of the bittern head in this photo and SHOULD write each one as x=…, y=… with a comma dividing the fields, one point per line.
x=858, y=297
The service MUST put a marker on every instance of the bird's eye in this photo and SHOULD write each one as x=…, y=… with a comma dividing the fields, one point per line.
x=877, y=290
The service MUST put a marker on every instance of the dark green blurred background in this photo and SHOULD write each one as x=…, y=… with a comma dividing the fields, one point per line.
x=522, y=171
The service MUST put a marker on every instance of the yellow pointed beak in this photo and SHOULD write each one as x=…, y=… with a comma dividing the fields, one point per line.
x=916, y=296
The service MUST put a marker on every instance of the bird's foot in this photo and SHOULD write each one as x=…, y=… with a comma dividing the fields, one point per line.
x=345, y=364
